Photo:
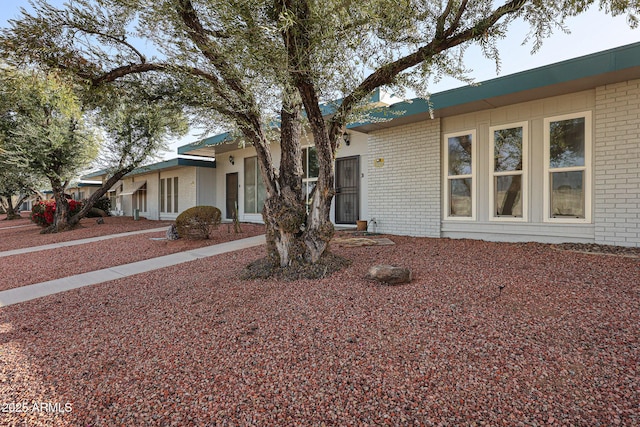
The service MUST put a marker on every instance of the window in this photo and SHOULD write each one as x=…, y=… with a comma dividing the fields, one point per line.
x=310, y=170
x=508, y=196
x=169, y=195
x=567, y=168
x=460, y=184
x=175, y=194
x=254, y=189
x=141, y=199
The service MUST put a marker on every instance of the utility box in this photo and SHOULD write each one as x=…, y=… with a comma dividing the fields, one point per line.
x=136, y=214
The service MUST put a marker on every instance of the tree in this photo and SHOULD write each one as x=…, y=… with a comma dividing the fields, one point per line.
x=15, y=181
x=49, y=137
x=244, y=61
x=135, y=129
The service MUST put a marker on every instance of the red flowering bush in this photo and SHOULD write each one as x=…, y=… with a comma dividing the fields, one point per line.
x=43, y=211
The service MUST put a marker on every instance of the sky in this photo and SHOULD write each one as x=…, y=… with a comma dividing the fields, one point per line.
x=593, y=31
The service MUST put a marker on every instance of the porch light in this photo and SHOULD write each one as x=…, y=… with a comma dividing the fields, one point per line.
x=232, y=160
x=347, y=139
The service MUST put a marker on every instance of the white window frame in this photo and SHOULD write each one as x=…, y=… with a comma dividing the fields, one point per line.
x=525, y=173
x=472, y=175
x=308, y=180
x=587, y=168
x=168, y=187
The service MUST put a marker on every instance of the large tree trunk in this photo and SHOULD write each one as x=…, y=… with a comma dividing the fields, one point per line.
x=61, y=215
x=11, y=209
x=284, y=211
x=91, y=201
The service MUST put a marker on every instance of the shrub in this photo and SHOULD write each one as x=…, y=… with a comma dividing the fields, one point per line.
x=197, y=222
x=104, y=204
x=42, y=212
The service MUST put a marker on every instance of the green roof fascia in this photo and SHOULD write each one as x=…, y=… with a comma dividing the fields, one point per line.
x=167, y=164
x=562, y=72
x=207, y=142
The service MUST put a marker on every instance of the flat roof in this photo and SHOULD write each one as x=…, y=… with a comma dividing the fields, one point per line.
x=167, y=164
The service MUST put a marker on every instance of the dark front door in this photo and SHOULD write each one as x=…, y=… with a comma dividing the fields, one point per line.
x=347, y=190
x=232, y=194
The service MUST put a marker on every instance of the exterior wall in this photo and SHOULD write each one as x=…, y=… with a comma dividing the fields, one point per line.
x=617, y=164
x=535, y=228
x=224, y=167
x=404, y=183
x=195, y=186
x=186, y=189
x=86, y=191
x=357, y=147
x=205, y=187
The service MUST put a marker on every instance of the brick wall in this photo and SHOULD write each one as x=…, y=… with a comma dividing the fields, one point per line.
x=617, y=164
x=404, y=193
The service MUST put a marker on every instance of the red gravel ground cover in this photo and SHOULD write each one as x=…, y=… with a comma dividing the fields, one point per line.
x=53, y=264
x=26, y=237
x=193, y=345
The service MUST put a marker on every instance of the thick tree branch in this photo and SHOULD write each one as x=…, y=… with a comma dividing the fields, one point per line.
x=387, y=73
x=124, y=70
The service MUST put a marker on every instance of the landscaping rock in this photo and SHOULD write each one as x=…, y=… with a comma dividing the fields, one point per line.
x=172, y=232
x=389, y=274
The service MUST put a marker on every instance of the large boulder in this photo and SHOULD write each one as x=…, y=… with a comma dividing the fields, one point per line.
x=389, y=274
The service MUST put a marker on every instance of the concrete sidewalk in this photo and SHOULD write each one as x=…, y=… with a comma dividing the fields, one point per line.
x=78, y=242
x=29, y=292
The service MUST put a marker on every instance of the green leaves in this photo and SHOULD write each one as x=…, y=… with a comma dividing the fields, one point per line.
x=46, y=133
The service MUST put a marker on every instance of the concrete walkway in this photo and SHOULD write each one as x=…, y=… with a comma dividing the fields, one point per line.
x=78, y=242
x=29, y=292
x=16, y=226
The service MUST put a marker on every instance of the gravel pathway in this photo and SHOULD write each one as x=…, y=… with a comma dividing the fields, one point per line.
x=486, y=334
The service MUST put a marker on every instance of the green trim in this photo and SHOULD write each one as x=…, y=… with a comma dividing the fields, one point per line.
x=207, y=142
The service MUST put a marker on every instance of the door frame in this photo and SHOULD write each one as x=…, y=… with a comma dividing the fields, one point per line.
x=229, y=213
x=357, y=192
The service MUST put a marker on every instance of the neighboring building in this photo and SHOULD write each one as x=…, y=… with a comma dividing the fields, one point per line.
x=82, y=190
x=162, y=190
x=550, y=154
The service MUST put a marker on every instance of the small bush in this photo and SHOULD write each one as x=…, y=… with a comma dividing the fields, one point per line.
x=198, y=221
x=43, y=212
x=104, y=204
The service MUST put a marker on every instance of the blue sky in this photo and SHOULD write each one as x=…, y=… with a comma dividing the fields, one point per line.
x=593, y=31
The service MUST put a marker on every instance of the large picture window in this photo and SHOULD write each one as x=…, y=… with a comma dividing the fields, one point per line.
x=460, y=184
x=254, y=190
x=508, y=196
x=567, y=168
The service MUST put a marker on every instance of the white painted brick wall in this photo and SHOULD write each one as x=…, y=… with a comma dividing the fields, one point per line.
x=617, y=164
x=404, y=194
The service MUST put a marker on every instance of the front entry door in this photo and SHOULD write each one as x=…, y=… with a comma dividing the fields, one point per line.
x=347, y=190
x=232, y=194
